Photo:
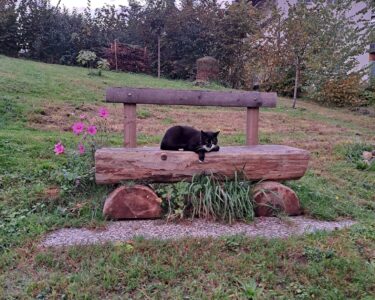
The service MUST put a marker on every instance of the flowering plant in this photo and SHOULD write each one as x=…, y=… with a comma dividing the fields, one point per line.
x=87, y=129
x=78, y=171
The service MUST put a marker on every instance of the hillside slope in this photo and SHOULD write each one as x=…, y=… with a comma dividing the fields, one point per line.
x=39, y=81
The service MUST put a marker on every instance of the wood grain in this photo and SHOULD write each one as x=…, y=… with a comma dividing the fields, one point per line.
x=130, y=125
x=190, y=97
x=271, y=162
x=252, y=126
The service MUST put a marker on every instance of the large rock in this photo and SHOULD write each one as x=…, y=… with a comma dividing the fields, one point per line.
x=132, y=202
x=367, y=155
x=272, y=198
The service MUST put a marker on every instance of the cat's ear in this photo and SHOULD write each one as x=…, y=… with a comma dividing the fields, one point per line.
x=203, y=133
x=216, y=133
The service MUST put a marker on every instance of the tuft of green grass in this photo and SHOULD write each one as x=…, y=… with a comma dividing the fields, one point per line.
x=321, y=200
x=167, y=121
x=143, y=114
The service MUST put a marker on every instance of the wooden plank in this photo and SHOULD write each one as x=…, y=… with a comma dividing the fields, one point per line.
x=271, y=162
x=130, y=125
x=252, y=126
x=189, y=97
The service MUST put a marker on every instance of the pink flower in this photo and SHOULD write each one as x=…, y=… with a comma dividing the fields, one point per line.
x=78, y=127
x=59, y=148
x=81, y=148
x=91, y=130
x=82, y=117
x=103, y=112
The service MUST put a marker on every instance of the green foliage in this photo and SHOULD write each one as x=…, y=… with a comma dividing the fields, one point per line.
x=176, y=197
x=143, y=113
x=353, y=154
x=102, y=64
x=210, y=198
x=318, y=255
x=250, y=290
x=8, y=28
x=238, y=29
x=77, y=175
x=10, y=111
x=368, y=97
x=227, y=201
x=322, y=201
x=86, y=58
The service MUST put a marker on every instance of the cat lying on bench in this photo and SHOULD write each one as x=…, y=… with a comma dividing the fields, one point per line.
x=190, y=139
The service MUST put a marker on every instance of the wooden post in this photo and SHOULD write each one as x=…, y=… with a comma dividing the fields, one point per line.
x=130, y=125
x=252, y=126
x=116, y=54
x=159, y=56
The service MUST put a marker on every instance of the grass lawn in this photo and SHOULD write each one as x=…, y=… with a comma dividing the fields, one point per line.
x=39, y=103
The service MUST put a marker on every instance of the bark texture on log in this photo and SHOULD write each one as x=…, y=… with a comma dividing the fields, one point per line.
x=132, y=202
x=271, y=162
x=189, y=97
x=273, y=197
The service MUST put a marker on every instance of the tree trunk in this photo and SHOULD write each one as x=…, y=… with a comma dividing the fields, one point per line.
x=116, y=55
x=132, y=202
x=158, y=56
x=296, y=82
x=271, y=162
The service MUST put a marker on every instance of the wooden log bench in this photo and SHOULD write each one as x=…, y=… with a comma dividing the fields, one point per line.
x=257, y=162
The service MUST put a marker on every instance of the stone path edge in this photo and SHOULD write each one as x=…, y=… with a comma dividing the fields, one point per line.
x=122, y=231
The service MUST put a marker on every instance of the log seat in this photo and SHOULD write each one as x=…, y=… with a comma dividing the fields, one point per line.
x=259, y=162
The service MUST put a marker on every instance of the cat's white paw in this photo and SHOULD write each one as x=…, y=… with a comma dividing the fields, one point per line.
x=201, y=161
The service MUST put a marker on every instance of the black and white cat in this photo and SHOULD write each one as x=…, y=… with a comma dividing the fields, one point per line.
x=190, y=139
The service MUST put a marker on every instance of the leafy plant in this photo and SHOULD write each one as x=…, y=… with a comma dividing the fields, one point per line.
x=353, y=154
x=78, y=171
x=86, y=58
x=227, y=201
x=175, y=199
x=210, y=198
x=77, y=175
x=102, y=65
x=251, y=290
x=318, y=255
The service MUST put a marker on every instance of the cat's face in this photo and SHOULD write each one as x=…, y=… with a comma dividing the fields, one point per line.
x=209, y=139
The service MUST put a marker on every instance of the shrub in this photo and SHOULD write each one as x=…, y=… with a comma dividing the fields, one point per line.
x=345, y=91
x=86, y=58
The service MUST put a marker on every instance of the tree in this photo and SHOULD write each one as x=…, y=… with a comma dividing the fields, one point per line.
x=8, y=28
x=344, y=36
x=301, y=28
x=238, y=30
x=324, y=39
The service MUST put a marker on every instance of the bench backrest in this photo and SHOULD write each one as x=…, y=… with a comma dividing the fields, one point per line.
x=130, y=97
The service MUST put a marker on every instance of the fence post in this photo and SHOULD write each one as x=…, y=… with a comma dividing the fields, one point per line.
x=130, y=125
x=252, y=126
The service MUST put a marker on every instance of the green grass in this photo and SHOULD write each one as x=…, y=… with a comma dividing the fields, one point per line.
x=338, y=265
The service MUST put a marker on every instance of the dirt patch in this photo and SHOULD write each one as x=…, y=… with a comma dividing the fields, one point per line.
x=59, y=117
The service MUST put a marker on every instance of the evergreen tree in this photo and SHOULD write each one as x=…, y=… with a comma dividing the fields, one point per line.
x=8, y=28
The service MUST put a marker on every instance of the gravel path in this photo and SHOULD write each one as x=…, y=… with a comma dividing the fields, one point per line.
x=159, y=229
